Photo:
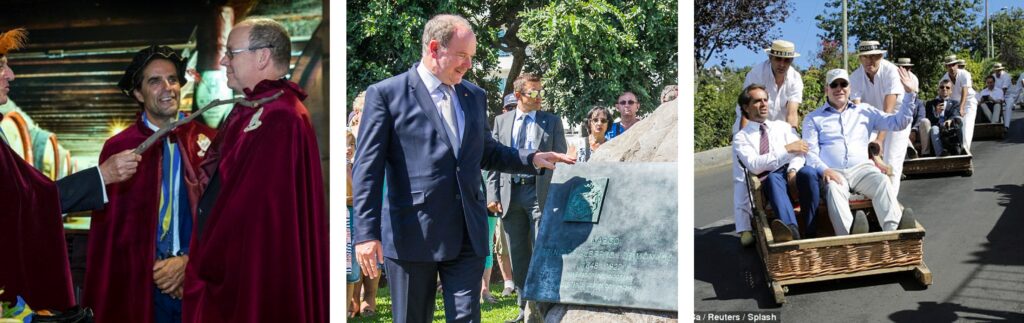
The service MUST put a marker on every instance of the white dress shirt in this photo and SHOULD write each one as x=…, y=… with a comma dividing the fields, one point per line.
x=996, y=94
x=531, y=140
x=886, y=82
x=792, y=90
x=1003, y=80
x=433, y=85
x=746, y=144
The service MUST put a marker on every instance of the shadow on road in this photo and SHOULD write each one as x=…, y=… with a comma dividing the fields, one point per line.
x=1005, y=240
x=947, y=312
x=734, y=272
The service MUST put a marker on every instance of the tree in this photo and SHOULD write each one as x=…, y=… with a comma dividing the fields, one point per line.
x=589, y=51
x=1007, y=36
x=724, y=25
x=924, y=31
x=384, y=40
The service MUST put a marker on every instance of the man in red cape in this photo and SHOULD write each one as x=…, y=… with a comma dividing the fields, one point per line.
x=138, y=245
x=32, y=245
x=260, y=248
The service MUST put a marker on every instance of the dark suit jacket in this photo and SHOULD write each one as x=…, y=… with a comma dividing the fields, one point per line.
x=552, y=138
x=951, y=110
x=81, y=191
x=431, y=193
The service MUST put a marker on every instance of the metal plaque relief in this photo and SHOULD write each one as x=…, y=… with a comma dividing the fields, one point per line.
x=585, y=201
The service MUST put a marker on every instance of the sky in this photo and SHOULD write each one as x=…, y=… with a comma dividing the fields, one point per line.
x=801, y=29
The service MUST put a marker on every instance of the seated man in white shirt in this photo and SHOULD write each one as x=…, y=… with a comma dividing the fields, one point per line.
x=772, y=149
x=838, y=134
x=988, y=98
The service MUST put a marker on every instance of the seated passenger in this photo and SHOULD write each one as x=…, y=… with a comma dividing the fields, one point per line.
x=988, y=98
x=946, y=124
x=838, y=134
x=772, y=149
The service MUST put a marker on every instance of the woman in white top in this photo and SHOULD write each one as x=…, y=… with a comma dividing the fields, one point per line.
x=595, y=126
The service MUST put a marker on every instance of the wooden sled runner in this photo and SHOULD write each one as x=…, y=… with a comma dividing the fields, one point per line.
x=961, y=164
x=833, y=257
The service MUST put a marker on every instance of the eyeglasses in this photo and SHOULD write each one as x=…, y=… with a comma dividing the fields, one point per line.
x=627, y=102
x=598, y=120
x=838, y=84
x=533, y=94
x=230, y=53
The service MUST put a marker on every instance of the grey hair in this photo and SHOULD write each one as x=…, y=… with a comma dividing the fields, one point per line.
x=269, y=33
x=442, y=28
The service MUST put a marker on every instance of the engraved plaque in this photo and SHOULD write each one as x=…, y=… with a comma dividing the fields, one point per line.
x=585, y=201
x=628, y=258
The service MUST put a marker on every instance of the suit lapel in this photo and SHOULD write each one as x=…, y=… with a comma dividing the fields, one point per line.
x=542, y=126
x=469, y=109
x=419, y=91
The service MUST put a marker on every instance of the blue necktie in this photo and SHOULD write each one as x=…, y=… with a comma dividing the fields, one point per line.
x=521, y=137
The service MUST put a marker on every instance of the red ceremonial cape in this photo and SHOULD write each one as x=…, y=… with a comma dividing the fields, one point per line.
x=262, y=256
x=122, y=237
x=33, y=252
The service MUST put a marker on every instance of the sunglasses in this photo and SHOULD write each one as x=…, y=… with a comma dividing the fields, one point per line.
x=946, y=88
x=627, y=102
x=533, y=94
x=838, y=84
x=599, y=120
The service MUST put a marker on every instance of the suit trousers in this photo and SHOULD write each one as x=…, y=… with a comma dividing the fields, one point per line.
x=808, y=185
x=413, y=286
x=866, y=179
x=775, y=187
x=520, y=222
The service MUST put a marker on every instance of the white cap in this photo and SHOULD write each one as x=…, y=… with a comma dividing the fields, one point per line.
x=835, y=74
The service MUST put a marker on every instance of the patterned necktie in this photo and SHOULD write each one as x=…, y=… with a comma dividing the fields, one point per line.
x=448, y=113
x=764, y=139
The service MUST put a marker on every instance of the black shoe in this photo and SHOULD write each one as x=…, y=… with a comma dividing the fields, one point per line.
x=907, y=221
x=860, y=223
x=518, y=319
x=911, y=153
x=796, y=231
x=780, y=232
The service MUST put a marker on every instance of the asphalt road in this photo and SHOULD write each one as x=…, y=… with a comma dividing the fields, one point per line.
x=974, y=246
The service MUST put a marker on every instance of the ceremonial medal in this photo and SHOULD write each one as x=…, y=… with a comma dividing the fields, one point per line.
x=255, y=121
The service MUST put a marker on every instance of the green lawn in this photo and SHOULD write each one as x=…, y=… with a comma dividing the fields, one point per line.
x=499, y=312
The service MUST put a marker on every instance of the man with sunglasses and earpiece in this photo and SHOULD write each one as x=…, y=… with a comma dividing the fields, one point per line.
x=837, y=135
x=519, y=198
x=627, y=105
x=785, y=90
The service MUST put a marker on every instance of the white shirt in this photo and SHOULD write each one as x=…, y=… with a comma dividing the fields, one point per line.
x=531, y=141
x=433, y=85
x=886, y=82
x=746, y=144
x=792, y=89
x=963, y=80
x=996, y=94
x=1003, y=80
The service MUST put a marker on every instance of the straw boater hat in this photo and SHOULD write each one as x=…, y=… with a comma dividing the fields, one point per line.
x=903, y=61
x=782, y=48
x=997, y=66
x=951, y=59
x=870, y=47
x=12, y=40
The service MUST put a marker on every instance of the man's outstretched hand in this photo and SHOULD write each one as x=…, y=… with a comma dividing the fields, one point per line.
x=548, y=159
x=120, y=167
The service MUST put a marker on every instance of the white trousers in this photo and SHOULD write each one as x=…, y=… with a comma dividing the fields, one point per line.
x=972, y=113
x=865, y=179
x=896, y=143
x=740, y=198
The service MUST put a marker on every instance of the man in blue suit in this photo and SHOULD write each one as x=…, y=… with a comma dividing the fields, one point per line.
x=426, y=129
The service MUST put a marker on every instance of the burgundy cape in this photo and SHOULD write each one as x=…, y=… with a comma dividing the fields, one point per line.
x=33, y=252
x=122, y=239
x=262, y=256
